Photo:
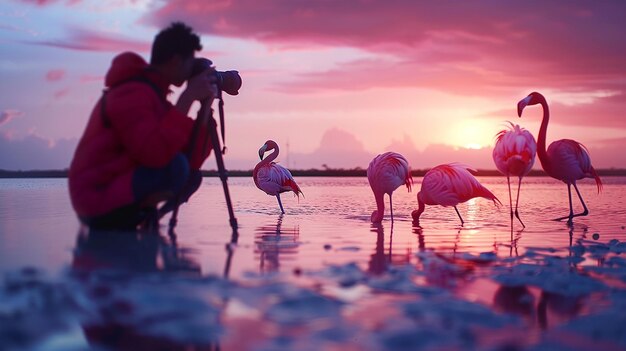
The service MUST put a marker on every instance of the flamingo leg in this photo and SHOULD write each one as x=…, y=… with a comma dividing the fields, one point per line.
x=280, y=204
x=390, y=208
x=585, y=210
x=571, y=210
x=390, y=242
x=519, y=185
x=459, y=214
x=508, y=181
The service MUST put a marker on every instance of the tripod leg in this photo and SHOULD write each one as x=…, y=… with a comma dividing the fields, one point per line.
x=217, y=150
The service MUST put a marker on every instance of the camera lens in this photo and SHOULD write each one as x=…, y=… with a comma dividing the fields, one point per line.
x=228, y=81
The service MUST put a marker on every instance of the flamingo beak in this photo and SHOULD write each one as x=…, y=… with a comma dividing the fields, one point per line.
x=520, y=105
x=262, y=151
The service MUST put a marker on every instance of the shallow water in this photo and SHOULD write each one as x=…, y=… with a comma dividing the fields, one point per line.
x=321, y=276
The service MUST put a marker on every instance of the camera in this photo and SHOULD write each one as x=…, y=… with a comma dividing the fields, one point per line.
x=228, y=81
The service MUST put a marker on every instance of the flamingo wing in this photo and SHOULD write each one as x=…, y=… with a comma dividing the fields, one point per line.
x=570, y=162
x=451, y=184
x=275, y=179
x=387, y=171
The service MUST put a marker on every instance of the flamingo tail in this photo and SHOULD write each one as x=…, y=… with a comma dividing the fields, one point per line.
x=484, y=192
x=597, y=178
x=294, y=187
x=408, y=181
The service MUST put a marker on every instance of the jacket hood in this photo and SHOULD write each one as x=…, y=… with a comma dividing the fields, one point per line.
x=124, y=66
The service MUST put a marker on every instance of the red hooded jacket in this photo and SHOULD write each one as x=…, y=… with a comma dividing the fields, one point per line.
x=141, y=129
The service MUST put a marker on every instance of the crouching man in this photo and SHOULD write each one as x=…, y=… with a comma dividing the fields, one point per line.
x=134, y=152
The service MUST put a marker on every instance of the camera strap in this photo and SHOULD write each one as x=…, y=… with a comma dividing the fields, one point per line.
x=222, y=121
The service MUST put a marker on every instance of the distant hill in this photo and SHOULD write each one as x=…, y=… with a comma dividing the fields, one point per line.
x=329, y=172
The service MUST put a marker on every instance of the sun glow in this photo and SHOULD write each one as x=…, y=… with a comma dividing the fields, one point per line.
x=472, y=134
x=473, y=146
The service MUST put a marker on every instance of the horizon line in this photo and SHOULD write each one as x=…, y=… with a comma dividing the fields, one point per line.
x=309, y=172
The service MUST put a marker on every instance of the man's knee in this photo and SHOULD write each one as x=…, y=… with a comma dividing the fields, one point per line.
x=169, y=179
x=179, y=172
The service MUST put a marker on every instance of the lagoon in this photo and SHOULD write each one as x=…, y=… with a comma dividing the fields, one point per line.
x=321, y=276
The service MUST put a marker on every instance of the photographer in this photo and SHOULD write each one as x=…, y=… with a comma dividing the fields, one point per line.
x=132, y=155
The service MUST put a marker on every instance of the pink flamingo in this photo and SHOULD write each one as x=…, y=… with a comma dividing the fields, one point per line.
x=514, y=155
x=272, y=177
x=449, y=185
x=385, y=174
x=566, y=160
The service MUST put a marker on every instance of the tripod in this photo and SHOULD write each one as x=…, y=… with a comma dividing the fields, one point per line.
x=205, y=118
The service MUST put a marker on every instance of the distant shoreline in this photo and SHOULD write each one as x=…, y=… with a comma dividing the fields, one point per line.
x=357, y=172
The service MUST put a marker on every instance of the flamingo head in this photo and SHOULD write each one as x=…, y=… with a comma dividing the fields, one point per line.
x=268, y=146
x=417, y=213
x=533, y=98
x=377, y=216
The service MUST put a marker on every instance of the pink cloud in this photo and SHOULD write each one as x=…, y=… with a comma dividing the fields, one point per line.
x=451, y=47
x=50, y=2
x=8, y=115
x=91, y=78
x=61, y=93
x=55, y=75
x=614, y=142
x=603, y=111
x=509, y=30
x=86, y=40
x=39, y=2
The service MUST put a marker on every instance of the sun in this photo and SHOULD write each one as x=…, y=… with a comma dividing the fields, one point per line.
x=471, y=134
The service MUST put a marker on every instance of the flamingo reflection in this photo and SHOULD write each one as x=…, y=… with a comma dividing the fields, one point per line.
x=380, y=261
x=420, y=237
x=537, y=306
x=271, y=241
x=517, y=300
x=557, y=306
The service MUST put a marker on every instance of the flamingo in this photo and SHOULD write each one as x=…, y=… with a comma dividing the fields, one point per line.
x=272, y=177
x=449, y=185
x=514, y=155
x=385, y=173
x=566, y=160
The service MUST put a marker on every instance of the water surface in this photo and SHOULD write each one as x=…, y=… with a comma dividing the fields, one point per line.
x=322, y=276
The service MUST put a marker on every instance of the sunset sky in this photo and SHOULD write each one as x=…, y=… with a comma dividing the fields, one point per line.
x=333, y=82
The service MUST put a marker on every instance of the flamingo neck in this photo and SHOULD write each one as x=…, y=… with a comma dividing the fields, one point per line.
x=269, y=158
x=541, y=138
x=421, y=206
x=378, y=215
x=265, y=161
x=272, y=156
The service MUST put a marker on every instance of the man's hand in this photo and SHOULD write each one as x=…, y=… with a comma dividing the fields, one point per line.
x=200, y=87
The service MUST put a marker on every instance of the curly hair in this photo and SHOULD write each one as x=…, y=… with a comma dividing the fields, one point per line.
x=177, y=39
